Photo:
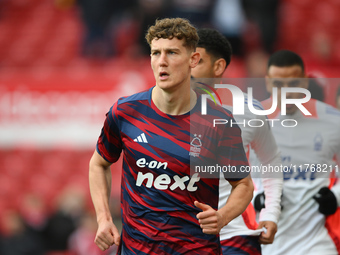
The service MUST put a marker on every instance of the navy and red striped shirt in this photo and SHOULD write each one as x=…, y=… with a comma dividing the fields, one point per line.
x=158, y=189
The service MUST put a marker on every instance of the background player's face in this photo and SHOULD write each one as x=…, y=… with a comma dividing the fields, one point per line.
x=171, y=62
x=205, y=66
x=290, y=76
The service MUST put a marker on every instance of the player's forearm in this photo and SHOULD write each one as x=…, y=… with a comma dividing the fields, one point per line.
x=239, y=199
x=273, y=191
x=270, y=157
x=100, y=189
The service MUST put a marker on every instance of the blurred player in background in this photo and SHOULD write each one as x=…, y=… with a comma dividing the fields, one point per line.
x=337, y=99
x=165, y=210
x=239, y=236
x=308, y=193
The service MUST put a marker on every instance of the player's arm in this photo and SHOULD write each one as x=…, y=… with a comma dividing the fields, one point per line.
x=266, y=150
x=241, y=194
x=100, y=189
x=328, y=197
x=240, y=197
x=269, y=215
x=230, y=152
x=336, y=187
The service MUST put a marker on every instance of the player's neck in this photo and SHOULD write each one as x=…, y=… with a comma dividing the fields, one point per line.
x=177, y=102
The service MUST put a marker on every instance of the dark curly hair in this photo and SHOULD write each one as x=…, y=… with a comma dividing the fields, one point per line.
x=215, y=44
x=175, y=27
x=285, y=58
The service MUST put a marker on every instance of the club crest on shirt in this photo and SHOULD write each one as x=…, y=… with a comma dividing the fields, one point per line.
x=318, y=142
x=195, y=146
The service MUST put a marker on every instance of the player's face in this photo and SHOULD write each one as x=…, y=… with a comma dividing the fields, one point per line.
x=291, y=76
x=171, y=63
x=205, y=67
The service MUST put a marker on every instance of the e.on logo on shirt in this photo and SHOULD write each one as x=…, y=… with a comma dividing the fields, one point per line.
x=152, y=164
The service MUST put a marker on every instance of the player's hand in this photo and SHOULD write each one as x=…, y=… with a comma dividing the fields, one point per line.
x=107, y=235
x=268, y=237
x=211, y=221
x=327, y=201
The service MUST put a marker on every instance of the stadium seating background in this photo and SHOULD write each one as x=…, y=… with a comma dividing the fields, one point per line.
x=39, y=53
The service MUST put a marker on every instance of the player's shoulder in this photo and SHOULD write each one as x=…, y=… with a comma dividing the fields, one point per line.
x=256, y=103
x=130, y=103
x=218, y=110
x=328, y=116
x=327, y=112
x=140, y=96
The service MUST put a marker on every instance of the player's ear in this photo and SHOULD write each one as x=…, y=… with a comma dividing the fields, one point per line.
x=305, y=82
x=194, y=59
x=219, y=67
x=269, y=85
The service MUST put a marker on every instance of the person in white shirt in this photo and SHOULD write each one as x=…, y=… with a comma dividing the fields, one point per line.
x=308, y=151
x=243, y=235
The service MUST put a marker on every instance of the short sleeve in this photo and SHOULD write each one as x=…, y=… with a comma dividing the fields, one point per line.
x=109, y=144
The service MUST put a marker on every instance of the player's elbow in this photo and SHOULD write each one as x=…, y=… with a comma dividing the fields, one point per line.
x=250, y=188
x=245, y=186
